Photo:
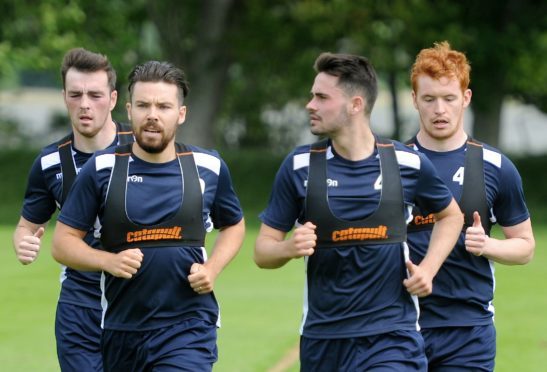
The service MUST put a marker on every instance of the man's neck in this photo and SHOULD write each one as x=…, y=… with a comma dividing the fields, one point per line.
x=354, y=144
x=167, y=155
x=444, y=144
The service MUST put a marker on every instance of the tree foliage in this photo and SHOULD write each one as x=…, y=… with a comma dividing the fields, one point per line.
x=245, y=57
x=34, y=35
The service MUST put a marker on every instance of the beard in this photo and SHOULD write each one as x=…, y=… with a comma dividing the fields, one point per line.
x=332, y=125
x=154, y=147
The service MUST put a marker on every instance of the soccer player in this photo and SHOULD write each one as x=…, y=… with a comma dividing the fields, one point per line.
x=351, y=195
x=155, y=199
x=457, y=318
x=89, y=92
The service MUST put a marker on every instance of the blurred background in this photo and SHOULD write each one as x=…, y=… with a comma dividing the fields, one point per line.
x=249, y=64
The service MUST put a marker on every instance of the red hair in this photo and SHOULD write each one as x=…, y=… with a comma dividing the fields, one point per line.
x=441, y=61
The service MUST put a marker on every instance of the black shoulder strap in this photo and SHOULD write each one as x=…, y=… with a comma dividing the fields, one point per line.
x=125, y=133
x=473, y=196
x=386, y=225
x=68, y=168
x=316, y=188
x=188, y=220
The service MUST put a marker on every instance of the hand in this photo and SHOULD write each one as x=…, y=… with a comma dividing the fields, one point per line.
x=28, y=248
x=303, y=241
x=475, y=237
x=126, y=263
x=201, y=278
x=420, y=283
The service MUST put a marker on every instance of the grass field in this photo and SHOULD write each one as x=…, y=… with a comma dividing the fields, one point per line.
x=260, y=312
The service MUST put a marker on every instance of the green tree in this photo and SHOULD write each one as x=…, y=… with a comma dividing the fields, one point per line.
x=505, y=41
x=243, y=57
x=193, y=35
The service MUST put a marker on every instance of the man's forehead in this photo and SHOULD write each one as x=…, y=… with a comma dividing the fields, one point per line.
x=159, y=91
x=426, y=82
x=84, y=88
x=325, y=82
x=86, y=81
x=154, y=88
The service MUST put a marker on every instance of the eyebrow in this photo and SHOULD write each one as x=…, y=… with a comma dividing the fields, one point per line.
x=437, y=95
x=94, y=91
x=318, y=94
x=149, y=102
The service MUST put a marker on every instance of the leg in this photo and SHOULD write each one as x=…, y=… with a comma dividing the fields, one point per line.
x=461, y=348
x=78, y=335
x=186, y=346
x=393, y=352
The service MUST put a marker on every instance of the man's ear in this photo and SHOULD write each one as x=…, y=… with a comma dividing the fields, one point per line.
x=414, y=100
x=467, y=97
x=357, y=104
x=128, y=108
x=182, y=115
x=113, y=99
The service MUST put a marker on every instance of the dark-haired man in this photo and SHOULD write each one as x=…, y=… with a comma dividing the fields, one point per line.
x=155, y=200
x=351, y=195
x=89, y=92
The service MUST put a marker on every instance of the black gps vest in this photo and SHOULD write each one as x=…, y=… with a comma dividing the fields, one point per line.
x=68, y=168
x=386, y=225
x=184, y=229
x=473, y=196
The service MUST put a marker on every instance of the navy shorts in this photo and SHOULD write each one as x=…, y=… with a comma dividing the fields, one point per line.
x=186, y=346
x=455, y=349
x=78, y=336
x=398, y=351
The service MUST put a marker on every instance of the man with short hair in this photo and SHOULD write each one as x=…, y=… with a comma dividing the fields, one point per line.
x=457, y=318
x=156, y=200
x=350, y=196
x=89, y=92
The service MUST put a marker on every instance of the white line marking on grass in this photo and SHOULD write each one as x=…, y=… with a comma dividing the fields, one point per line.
x=288, y=360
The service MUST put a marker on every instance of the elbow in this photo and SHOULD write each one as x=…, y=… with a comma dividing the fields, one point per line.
x=528, y=258
x=529, y=255
x=259, y=261
x=55, y=251
x=263, y=262
x=530, y=249
x=459, y=220
x=526, y=255
x=269, y=250
x=264, y=265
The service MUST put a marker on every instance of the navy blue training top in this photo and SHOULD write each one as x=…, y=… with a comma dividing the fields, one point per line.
x=159, y=294
x=463, y=289
x=43, y=197
x=356, y=290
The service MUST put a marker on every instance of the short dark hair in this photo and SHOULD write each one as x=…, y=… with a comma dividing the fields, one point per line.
x=355, y=75
x=153, y=71
x=86, y=61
